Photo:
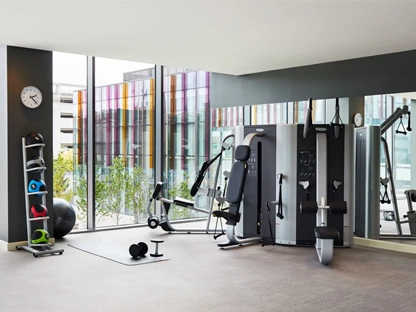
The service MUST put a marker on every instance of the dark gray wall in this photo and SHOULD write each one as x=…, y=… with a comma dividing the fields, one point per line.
x=27, y=67
x=4, y=233
x=390, y=73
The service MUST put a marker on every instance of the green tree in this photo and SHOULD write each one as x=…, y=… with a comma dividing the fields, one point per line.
x=181, y=190
x=137, y=192
x=116, y=186
x=63, y=165
x=100, y=198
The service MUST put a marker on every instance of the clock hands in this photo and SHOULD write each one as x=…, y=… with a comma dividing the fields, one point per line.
x=32, y=97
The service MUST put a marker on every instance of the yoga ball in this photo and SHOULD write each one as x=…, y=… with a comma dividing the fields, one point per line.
x=63, y=217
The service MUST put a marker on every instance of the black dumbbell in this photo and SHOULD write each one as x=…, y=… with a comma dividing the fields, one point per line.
x=157, y=242
x=138, y=250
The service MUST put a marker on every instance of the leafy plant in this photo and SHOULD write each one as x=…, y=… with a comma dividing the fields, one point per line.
x=181, y=190
x=63, y=165
x=137, y=192
x=116, y=186
x=100, y=198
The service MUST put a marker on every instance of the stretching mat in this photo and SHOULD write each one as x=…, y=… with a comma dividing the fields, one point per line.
x=116, y=253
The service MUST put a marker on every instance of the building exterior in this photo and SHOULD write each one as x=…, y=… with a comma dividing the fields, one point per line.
x=63, y=116
x=124, y=119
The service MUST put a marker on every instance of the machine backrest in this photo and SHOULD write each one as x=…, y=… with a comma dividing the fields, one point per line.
x=157, y=190
x=238, y=175
x=413, y=195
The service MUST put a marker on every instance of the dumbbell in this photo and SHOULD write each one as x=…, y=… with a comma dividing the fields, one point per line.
x=138, y=250
x=157, y=242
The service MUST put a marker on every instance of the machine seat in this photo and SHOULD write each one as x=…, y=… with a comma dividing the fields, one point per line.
x=231, y=218
x=326, y=232
x=183, y=202
x=223, y=214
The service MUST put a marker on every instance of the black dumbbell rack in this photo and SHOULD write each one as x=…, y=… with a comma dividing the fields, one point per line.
x=35, y=249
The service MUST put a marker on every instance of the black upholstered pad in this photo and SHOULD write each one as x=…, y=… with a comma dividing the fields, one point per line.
x=326, y=232
x=157, y=190
x=242, y=152
x=236, y=183
x=223, y=214
x=308, y=207
x=339, y=207
x=183, y=202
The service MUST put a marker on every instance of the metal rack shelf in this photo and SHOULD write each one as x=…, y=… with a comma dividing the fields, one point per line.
x=38, y=219
x=36, y=169
x=35, y=249
x=37, y=193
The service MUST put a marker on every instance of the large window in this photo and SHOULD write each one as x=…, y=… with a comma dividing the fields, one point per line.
x=69, y=130
x=124, y=135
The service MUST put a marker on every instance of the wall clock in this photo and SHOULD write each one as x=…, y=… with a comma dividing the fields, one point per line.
x=31, y=97
x=358, y=119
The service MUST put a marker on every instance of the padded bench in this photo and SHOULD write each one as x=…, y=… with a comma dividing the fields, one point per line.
x=183, y=202
x=232, y=219
x=326, y=232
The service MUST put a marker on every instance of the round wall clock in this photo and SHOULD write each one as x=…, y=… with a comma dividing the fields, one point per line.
x=358, y=119
x=31, y=97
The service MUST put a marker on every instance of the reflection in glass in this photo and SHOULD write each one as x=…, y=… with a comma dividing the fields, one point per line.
x=268, y=114
x=377, y=109
x=402, y=150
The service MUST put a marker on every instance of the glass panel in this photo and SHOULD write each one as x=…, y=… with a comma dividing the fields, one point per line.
x=202, y=104
x=190, y=105
x=125, y=133
x=190, y=80
x=375, y=110
x=186, y=136
x=202, y=79
x=301, y=111
x=268, y=114
x=70, y=132
x=319, y=111
x=240, y=121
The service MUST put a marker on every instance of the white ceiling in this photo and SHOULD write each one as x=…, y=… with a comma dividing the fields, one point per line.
x=234, y=37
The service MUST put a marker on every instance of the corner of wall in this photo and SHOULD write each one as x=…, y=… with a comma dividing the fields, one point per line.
x=4, y=200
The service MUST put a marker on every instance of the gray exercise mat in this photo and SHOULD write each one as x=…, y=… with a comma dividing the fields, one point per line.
x=116, y=253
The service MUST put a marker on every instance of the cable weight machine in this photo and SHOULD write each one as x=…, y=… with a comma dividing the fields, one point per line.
x=394, y=215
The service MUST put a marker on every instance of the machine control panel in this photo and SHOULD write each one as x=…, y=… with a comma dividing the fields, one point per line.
x=251, y=162
x=306, y=164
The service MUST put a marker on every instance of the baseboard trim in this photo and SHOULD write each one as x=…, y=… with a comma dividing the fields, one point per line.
x=12, y=246
x=380, y=244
